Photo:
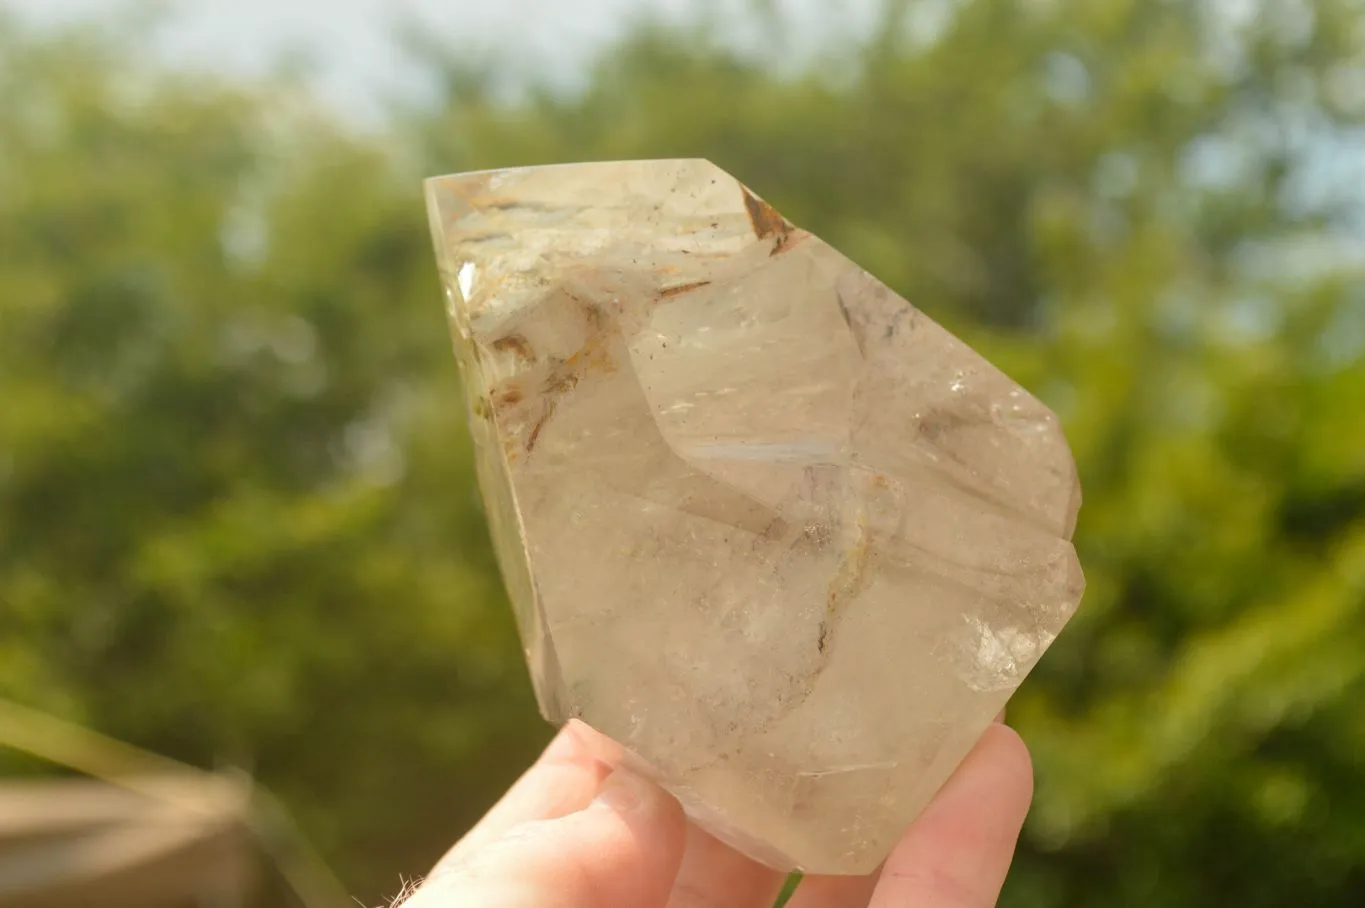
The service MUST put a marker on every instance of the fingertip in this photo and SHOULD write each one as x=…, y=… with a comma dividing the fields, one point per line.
x=956, y=854
x=622, y=851
x=567, y=744
x=632, y=796
x=562, y=780
x=655, y=818
x=714, y=874
x=1008, y=757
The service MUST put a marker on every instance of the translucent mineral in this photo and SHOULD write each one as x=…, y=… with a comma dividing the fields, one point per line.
x=785, y=541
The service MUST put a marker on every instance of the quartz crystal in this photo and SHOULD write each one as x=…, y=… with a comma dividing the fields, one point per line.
x=784, y=541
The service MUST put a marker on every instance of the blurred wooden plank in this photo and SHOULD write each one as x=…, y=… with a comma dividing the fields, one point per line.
x=85, y=844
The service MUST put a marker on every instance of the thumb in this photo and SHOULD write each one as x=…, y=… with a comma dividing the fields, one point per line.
x=621, y=851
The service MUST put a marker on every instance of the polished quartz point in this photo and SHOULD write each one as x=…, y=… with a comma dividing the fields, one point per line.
x=784, y=540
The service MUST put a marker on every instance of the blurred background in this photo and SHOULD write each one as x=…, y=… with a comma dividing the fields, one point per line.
x=237, y=521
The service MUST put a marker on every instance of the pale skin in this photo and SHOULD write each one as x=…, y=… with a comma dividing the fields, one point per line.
x=571, y=833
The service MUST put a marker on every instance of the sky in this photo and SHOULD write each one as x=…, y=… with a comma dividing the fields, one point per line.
x=359, y=67
x=349, y=44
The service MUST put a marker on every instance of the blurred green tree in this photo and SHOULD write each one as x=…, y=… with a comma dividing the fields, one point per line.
x=236, y=519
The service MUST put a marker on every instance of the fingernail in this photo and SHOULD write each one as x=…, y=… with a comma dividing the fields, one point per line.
x=623, y=792
x=566, y=743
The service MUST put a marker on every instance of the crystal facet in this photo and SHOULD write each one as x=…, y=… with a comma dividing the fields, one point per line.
x=785, y=541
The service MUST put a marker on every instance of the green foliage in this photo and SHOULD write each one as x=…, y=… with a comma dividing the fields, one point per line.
x=236, y=514
x=236, y=520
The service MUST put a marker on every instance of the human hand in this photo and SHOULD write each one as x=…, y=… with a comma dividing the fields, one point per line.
x=573, y=834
